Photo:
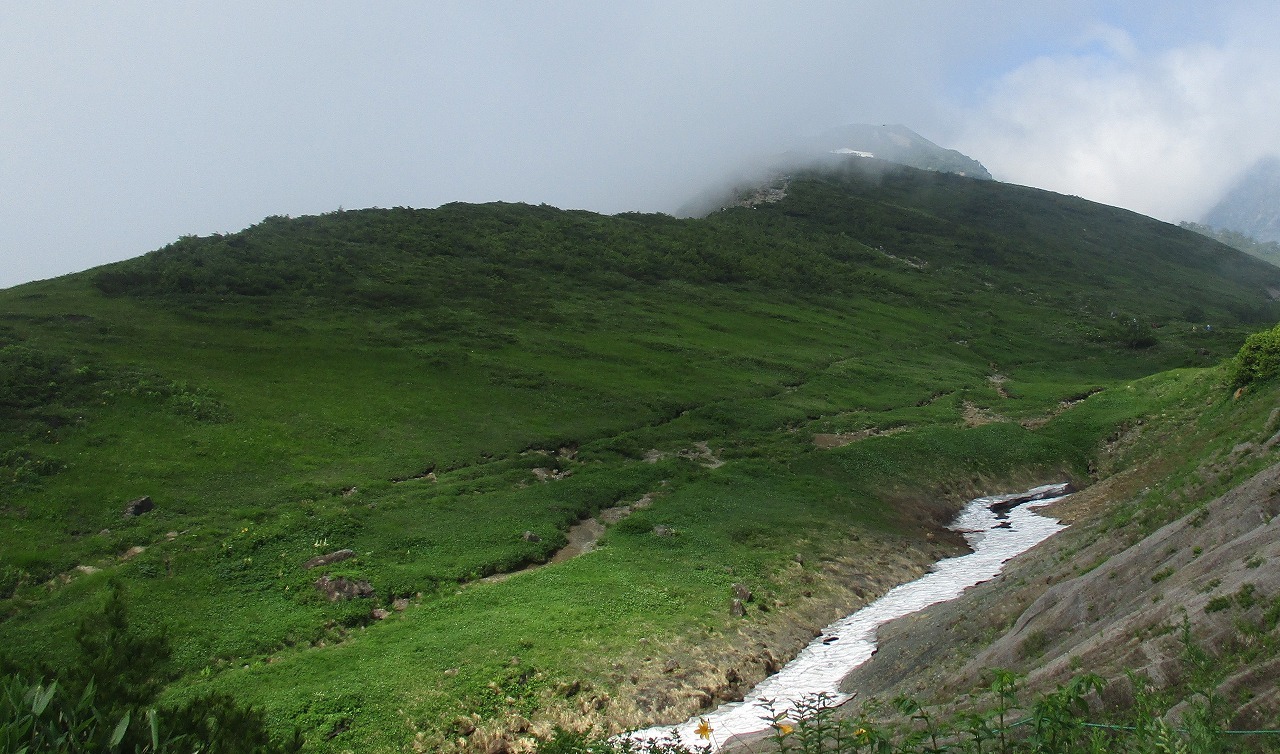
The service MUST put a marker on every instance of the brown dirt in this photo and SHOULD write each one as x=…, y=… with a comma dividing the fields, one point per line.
x=827, y=441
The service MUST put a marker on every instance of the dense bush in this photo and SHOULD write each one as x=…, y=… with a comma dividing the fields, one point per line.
x=1258, y=359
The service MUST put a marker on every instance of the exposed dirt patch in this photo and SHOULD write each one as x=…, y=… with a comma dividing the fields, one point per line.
x=763, y=195
x=1040, y=421
x=544, y=474
x=701, y=452
x=836, y=440
x=997, y=381
x=976, y=416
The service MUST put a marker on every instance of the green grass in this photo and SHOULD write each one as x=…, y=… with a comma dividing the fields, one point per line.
x=267, y=388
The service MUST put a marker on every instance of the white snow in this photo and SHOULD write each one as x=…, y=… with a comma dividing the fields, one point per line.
x=819, y=668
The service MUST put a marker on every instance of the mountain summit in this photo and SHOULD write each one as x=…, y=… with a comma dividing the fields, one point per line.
x=1252, y=205
x=895, y=143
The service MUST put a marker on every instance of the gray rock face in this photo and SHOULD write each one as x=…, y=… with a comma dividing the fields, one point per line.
x=1109, y=606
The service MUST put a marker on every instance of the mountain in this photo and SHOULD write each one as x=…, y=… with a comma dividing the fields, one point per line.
x=341, y=458
x=1252, y=205
x=894, y=143
x=831, y=150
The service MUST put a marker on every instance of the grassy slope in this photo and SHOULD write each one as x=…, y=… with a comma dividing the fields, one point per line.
x=1196, y=439
x=245, y=382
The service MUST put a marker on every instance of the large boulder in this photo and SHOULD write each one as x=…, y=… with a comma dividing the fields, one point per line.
x=333, y=557
x=139, y=506
x=343, y=588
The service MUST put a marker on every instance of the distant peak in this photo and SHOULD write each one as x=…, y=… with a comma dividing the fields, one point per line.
x=894, y=143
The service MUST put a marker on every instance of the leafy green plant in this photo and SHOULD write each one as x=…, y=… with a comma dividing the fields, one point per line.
x=1258, y=359
x=104, y=700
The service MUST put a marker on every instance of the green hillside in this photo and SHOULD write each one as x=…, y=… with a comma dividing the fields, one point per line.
x=445, y=392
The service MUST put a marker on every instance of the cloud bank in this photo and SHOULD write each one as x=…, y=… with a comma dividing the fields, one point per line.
x=129, y=124
x=1161, y=132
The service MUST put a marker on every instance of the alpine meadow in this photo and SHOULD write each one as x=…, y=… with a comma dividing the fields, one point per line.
x=502, y=477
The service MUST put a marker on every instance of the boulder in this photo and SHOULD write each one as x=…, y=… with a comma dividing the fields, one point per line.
x=333, y=557
x=737, y=609
x=529, y=536
x=343, y=588
x=742, y=592
x=139, y=506
x=663, y=531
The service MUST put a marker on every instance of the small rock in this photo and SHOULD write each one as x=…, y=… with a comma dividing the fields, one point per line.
x=731, y=676
x=529, y=536
x=333, y=557
x=799, y=558
x=671, y=666
x=171, y=535
x=380, y=614
x=133, y=552
x=464, y=725
x=736, y=608
x=742, y=592
x=451, y=672
x=348, y=492
x=87, y=569
x=663, y=531
x=139, y=506
x=400, y=605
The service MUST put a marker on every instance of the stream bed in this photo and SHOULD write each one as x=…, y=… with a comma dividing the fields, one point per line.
x=997, y=528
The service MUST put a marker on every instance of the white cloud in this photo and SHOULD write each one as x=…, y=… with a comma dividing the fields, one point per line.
x=127, y=124
x=1162, y=133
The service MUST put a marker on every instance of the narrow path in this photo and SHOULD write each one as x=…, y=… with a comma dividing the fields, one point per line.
x=582, y=536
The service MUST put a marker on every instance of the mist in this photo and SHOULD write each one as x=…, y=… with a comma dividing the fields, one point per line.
x=128, y=125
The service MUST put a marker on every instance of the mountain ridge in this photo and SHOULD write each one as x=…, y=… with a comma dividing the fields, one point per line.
x=440, y=394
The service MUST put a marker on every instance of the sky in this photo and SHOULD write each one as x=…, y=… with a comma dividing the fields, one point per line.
x=126, y=125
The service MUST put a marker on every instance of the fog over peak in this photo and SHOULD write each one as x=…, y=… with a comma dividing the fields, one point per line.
x=127, y=125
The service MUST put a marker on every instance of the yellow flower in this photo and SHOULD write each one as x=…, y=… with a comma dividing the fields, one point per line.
x=861, y=733
x=704, y=728
x=785, y=729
